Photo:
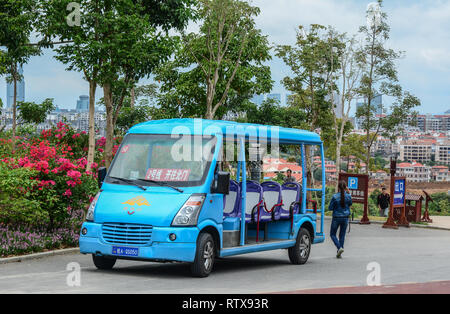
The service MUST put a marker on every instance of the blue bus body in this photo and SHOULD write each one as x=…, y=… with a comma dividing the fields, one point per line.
x=132, y=223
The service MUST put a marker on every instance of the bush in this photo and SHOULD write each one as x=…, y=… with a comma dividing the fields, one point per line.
x=440, y=204
x=60, y=184
x=45, y=188
x=16, y=205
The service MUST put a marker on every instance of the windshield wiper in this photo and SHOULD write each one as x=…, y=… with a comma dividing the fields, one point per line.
x=160, y=183
x=129, y=181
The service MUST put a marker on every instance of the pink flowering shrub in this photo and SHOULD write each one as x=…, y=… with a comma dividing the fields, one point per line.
x=58, y=180
x=45, y=188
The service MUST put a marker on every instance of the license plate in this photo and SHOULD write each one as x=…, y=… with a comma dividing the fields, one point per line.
x=125, y=251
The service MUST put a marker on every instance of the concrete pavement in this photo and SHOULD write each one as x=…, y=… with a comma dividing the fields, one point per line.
x=436, y=287
x=405, y=255
x=440, y=221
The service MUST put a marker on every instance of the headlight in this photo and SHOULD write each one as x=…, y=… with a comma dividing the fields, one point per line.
x=188, y=213
x=90, y=213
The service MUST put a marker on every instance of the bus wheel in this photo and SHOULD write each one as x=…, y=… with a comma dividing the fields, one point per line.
x=299, y=253
x=102, y=262
x=204, y=256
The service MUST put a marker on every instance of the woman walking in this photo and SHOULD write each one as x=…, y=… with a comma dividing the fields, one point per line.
x=340, y=206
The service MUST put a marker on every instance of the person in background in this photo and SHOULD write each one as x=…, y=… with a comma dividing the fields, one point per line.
x=340, y=206
x=289, y=178
x=383, y=202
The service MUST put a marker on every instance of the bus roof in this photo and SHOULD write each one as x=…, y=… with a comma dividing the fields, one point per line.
x=210, y=127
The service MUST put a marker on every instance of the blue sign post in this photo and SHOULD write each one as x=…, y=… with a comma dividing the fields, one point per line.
x=358, y=187
x=352, y=183
x=399, y=192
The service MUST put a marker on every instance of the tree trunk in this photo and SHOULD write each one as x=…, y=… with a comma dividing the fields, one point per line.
x=91, y=150
x=368, y=158
x=14, y=122
x=132, y=96
x=107, y=91
x=338, y=160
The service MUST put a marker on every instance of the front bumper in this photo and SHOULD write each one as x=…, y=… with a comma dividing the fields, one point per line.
x=160, y=248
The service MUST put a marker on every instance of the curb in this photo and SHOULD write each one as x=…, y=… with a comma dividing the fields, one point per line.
x=411, y=225
x=21, y=258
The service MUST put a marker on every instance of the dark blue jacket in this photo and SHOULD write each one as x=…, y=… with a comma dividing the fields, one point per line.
x=337, y=209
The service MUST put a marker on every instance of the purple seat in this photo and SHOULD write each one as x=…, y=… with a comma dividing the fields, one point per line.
x=273, y=201
x=232, y=204
x=291, y=193
x=254, y=200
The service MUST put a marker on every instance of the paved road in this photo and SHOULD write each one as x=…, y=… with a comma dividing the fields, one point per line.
x=437, y=287
x=404, y=255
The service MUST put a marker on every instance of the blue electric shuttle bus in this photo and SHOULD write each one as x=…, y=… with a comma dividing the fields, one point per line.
x=168, y=197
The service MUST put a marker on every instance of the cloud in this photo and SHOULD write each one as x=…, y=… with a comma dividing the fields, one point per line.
x=420, y=28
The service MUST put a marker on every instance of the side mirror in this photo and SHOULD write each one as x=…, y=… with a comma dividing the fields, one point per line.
x=101, y=176
x=221, y=184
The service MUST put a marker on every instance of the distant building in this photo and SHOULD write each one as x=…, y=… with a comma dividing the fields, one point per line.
x=443, y=153
x=83, y=103
x=273, y=166
x=20, y=91
x=416, y=150
x=440, y=173
x=257, y=99
x=384, y=146
x=414, y=172
x=377, y=103
x=79, y=120
x=436, y=123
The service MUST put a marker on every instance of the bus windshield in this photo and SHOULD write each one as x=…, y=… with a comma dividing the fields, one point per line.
x=178, y=160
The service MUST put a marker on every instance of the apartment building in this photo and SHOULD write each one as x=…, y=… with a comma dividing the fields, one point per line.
x=443, y=153
x=440, y=174
x=414, y=172
x=416, y=150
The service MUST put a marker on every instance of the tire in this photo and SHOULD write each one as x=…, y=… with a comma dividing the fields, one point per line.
x=299, y=253
x=102, y=262
x=204, y=256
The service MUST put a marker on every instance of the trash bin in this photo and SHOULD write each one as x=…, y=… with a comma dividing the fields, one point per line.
x=413, y=208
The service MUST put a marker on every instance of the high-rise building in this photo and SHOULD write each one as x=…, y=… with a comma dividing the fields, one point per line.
x=257, y=99
x=288, y=97
x=377, y=103
x=83, y=103
x=20, y=90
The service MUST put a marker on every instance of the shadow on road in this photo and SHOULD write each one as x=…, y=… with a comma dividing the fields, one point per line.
x=177, y=270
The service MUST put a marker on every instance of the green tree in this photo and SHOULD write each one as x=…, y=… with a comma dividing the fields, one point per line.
x=380, y=76
x=116, y=44
x=271, y=113
x=345, y=90
x=30, y=112
x=131, y=113
x=219, y=68
x=402, y=114
x=82, y=51
x=353, y=145
x=314, y=62
x=17, y=19
x=331, y=140
x=314, y=67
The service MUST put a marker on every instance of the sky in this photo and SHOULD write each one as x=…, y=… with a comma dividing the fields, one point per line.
x=420, y=28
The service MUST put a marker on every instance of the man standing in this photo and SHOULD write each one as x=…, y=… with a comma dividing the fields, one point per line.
x=289, y=178
x=383, y=202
